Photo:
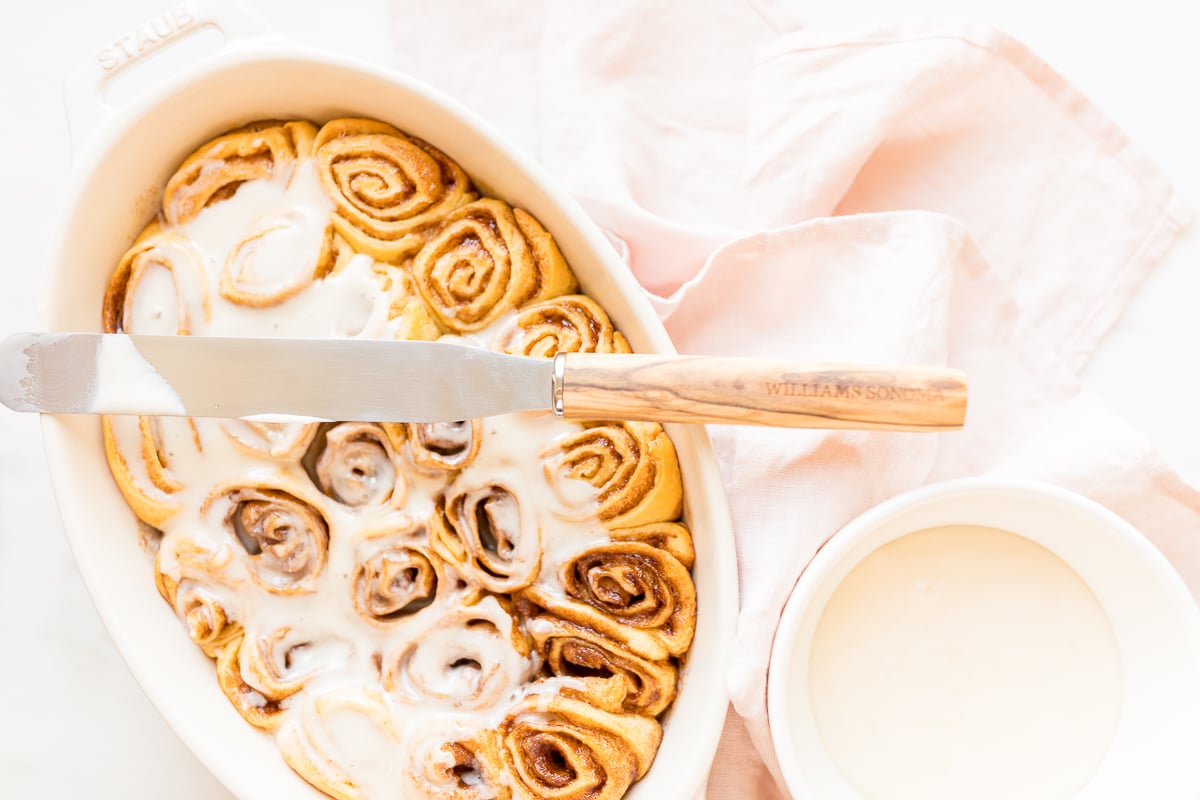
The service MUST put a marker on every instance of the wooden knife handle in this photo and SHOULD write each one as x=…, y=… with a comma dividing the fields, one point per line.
x=755, y=391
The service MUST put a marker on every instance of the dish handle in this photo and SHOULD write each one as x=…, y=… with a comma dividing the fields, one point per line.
x=86, y=91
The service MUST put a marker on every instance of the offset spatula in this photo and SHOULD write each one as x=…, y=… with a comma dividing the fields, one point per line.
x=384, y=381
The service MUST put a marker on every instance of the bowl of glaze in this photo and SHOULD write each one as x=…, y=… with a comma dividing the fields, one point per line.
x=125, y=151
x=987, y=639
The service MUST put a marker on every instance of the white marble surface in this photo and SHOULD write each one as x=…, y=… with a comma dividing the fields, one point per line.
x=75, y=723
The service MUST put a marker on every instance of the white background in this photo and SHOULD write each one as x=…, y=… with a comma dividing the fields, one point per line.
x=73, y=722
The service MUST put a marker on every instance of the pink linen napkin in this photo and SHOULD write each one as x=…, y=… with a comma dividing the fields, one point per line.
x=920, y=194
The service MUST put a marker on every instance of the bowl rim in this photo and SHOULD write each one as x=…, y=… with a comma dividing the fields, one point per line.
x=836, y=551
x=724, y=606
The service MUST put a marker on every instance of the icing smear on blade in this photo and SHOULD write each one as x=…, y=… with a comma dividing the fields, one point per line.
x=126, y=383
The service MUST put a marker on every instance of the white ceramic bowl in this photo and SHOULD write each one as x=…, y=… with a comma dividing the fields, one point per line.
x=1153, y=616
x=116, y=183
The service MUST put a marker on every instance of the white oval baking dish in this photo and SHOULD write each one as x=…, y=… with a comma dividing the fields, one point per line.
x=1154, y=619
x=115, y=185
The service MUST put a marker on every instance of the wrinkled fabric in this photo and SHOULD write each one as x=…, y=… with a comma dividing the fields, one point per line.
x=922, y=194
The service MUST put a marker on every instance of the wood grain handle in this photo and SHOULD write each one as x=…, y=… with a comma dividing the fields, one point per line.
x=753, y=391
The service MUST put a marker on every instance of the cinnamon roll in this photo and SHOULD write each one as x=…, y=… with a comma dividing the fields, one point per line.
x=263, y=269
x=443, y=445
x=159, y=287
x=216, y=169
x=488, y=535
x=452, y=758
x=395, y=575
x=319, y=742
x=389, y=188
x=285, y=538
x=204, y=614
x=674, y=537
x=486, y=259
x=262, y=709
x=190, y=577
x=358, y=467
x=139, y=451
x=567, y=749
x=567, y=649
x=469, y=659
x=631, y=465
x=633, y=593
x=571, y=324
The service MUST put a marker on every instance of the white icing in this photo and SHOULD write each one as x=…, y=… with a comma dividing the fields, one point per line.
x=126, y=383
x=965, y=662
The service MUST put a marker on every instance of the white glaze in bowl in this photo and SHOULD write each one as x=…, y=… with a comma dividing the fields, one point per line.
x=115, y=187
x=1154, y=619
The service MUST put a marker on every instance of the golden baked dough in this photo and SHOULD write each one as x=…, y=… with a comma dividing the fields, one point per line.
x=357, y=466
x=389, y=188
x=488, y=535
x=286, y=538
x=212, y=173
x=568, y=749
x=157, y=249
x=396, y=574
x=486, y=259
x=633, y=593
x=443, y=445
x=450, y=761
x=571, y=324
x=141, y=466
x=647, y=686
x=631, y=465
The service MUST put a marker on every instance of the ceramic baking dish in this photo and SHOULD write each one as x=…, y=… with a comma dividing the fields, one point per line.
x=124, y=154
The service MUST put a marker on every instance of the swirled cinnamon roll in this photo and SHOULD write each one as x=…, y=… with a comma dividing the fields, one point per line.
x=285, y=538
x=488, y=258
x=266, y=266
x=217, y=168
x=443, y=445
x=487, y=534
x=469, y=659
x=453, y=759
x=631, y=465
x=318, y=741
x=260, y=709
x=204, y=615
x=260, y=671
x=638, y=595
x=674, y=537
x=358, y=467
x=570, y=324
x=188, y=576
x=572, y=650
x=139, y=453
x=395, y=575
x=159, y=287
x=389, y=188
x=568, y=749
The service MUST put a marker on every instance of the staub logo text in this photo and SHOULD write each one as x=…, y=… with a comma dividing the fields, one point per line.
x=147, y=36
x=852, y=391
